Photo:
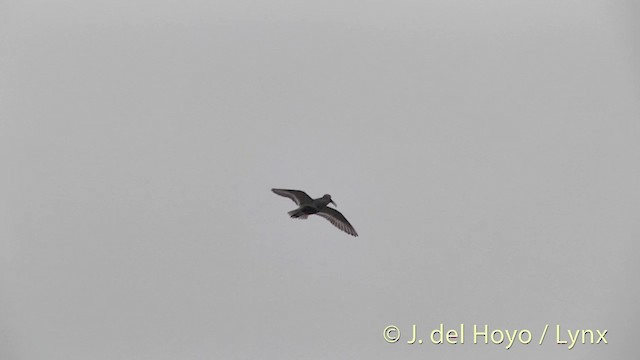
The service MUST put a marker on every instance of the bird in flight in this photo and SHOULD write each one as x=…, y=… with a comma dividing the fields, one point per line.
x=308, y=206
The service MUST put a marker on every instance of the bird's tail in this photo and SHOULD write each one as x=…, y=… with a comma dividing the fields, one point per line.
x=297, y=214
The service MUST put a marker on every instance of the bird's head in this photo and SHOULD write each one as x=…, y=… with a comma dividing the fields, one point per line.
x=328, y=197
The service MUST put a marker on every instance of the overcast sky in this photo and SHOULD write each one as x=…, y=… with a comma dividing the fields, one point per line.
x=487, y=152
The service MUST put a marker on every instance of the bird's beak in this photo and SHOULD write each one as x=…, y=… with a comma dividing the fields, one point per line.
x=333, y=202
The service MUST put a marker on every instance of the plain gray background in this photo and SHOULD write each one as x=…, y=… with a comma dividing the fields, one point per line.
x=487, y=152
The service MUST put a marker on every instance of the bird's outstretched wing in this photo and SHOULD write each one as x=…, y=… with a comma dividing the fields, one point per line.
x=338, y=220
x=299, y=197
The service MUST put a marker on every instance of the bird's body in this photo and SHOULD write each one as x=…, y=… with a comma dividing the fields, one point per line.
x=308, y=206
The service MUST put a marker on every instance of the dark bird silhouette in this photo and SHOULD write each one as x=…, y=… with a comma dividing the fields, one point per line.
x=308, y=206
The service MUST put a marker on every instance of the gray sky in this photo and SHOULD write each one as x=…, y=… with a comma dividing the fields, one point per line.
x=486, y=152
